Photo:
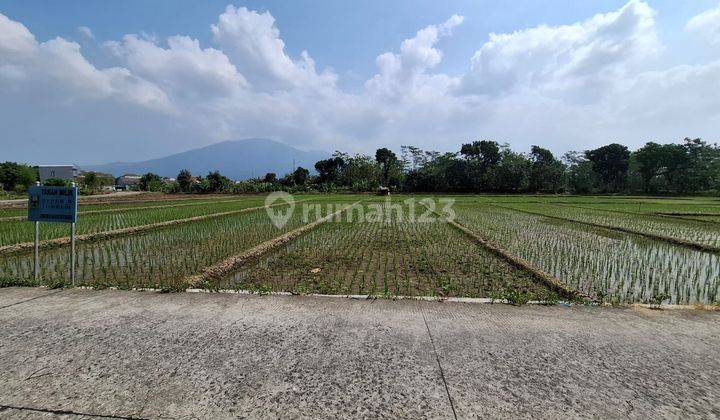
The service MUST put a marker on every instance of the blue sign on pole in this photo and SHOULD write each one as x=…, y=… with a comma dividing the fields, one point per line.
x=52, y=204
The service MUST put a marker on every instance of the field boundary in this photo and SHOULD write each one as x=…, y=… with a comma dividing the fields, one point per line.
x=549, y=280
x=668, y=239
x=421, y=298
x=63, y=241
x=224, y=267
x=669, y=216
x=683, y=213
x=121, y=200
x=90, y=212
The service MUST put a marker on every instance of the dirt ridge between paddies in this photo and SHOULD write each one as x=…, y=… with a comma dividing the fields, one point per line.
x=545, y=278
x=90, y=237
x=665, y=215
x=669, y=239
x=124, y=209
x=149, y=198
x=228, y=265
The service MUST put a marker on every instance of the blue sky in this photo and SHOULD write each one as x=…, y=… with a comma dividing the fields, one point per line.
x=336, y=104
x=327, y=28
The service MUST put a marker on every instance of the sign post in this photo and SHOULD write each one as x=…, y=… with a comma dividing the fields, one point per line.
x=37, y=247
x=55, y=205
x=72, y=240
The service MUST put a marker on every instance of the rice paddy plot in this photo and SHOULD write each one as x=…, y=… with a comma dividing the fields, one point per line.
x=396, y=256
x=653, y=207
x=12, y=232
x=687, y=230
x=136, y=203
x=387, y=257
x=616, y=266
x=160, y=258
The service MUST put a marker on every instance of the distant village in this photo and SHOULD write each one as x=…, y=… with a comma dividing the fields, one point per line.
x=104, y=181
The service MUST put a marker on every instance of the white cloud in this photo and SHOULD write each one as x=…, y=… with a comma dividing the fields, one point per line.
x=708, y=24
x=405, y=74
x=15, y=40
x=253, y=43
x=568, y=87
x=183, y=69
x=583, y=57
x=57, y=67
x=86, y=32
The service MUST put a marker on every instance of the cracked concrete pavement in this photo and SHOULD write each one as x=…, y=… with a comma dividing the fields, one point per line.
x=80, y=353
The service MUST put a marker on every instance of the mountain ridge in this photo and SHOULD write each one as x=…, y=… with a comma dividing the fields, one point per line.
x=237, y=159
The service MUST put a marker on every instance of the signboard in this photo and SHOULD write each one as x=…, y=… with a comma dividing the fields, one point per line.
x=52, y=204
x=65, y=172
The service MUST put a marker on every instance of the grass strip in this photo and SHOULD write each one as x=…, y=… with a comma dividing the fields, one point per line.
x=64, y=241
x=123, y=200
x=668, y=239
x=666, y=215
x=683, y=213
x=225, y=267
x=124, y=209
x=545, y=278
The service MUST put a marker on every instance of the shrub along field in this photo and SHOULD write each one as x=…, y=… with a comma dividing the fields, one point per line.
x=518, y=248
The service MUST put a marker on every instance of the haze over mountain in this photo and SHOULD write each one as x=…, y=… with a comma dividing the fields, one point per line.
x=238, y=159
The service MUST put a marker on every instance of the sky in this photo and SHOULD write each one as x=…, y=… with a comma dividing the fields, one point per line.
x=94, y=82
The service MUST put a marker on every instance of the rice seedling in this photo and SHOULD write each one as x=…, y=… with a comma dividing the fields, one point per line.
x=152, y=259
x=387, y=258
x=623, y=267
x=12, y=232
x=400, y=255
x=687, y=230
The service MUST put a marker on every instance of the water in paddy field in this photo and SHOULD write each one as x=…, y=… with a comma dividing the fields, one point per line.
x=617, y=266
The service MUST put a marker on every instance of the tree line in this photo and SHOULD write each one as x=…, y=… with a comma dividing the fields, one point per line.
x=484, y=166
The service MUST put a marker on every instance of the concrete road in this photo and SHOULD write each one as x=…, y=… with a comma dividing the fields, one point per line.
x=147, y=355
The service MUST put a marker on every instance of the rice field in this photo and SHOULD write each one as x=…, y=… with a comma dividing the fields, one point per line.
x=388, y=257
x=517, y=248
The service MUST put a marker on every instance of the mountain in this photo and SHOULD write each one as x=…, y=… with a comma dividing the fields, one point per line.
x=238, y=159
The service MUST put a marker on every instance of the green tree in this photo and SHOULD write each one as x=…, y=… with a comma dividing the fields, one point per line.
x=389, y=165
x=481, y=157
x=16, y=176
x=361, y=173
x=487, y=152
x=300, y=176
x=217, y=182
x=663, y=167
x=611, y=164
x=184, y=180
x=511, y=174
x=547, y=174
x=270, y=177
x=91, y=182
x=581, y=177
x=330, y=170
x=150, y=182
x=703, y=173
x=412, y=157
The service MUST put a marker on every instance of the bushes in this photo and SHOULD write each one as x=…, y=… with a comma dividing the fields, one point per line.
x=17, y=177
